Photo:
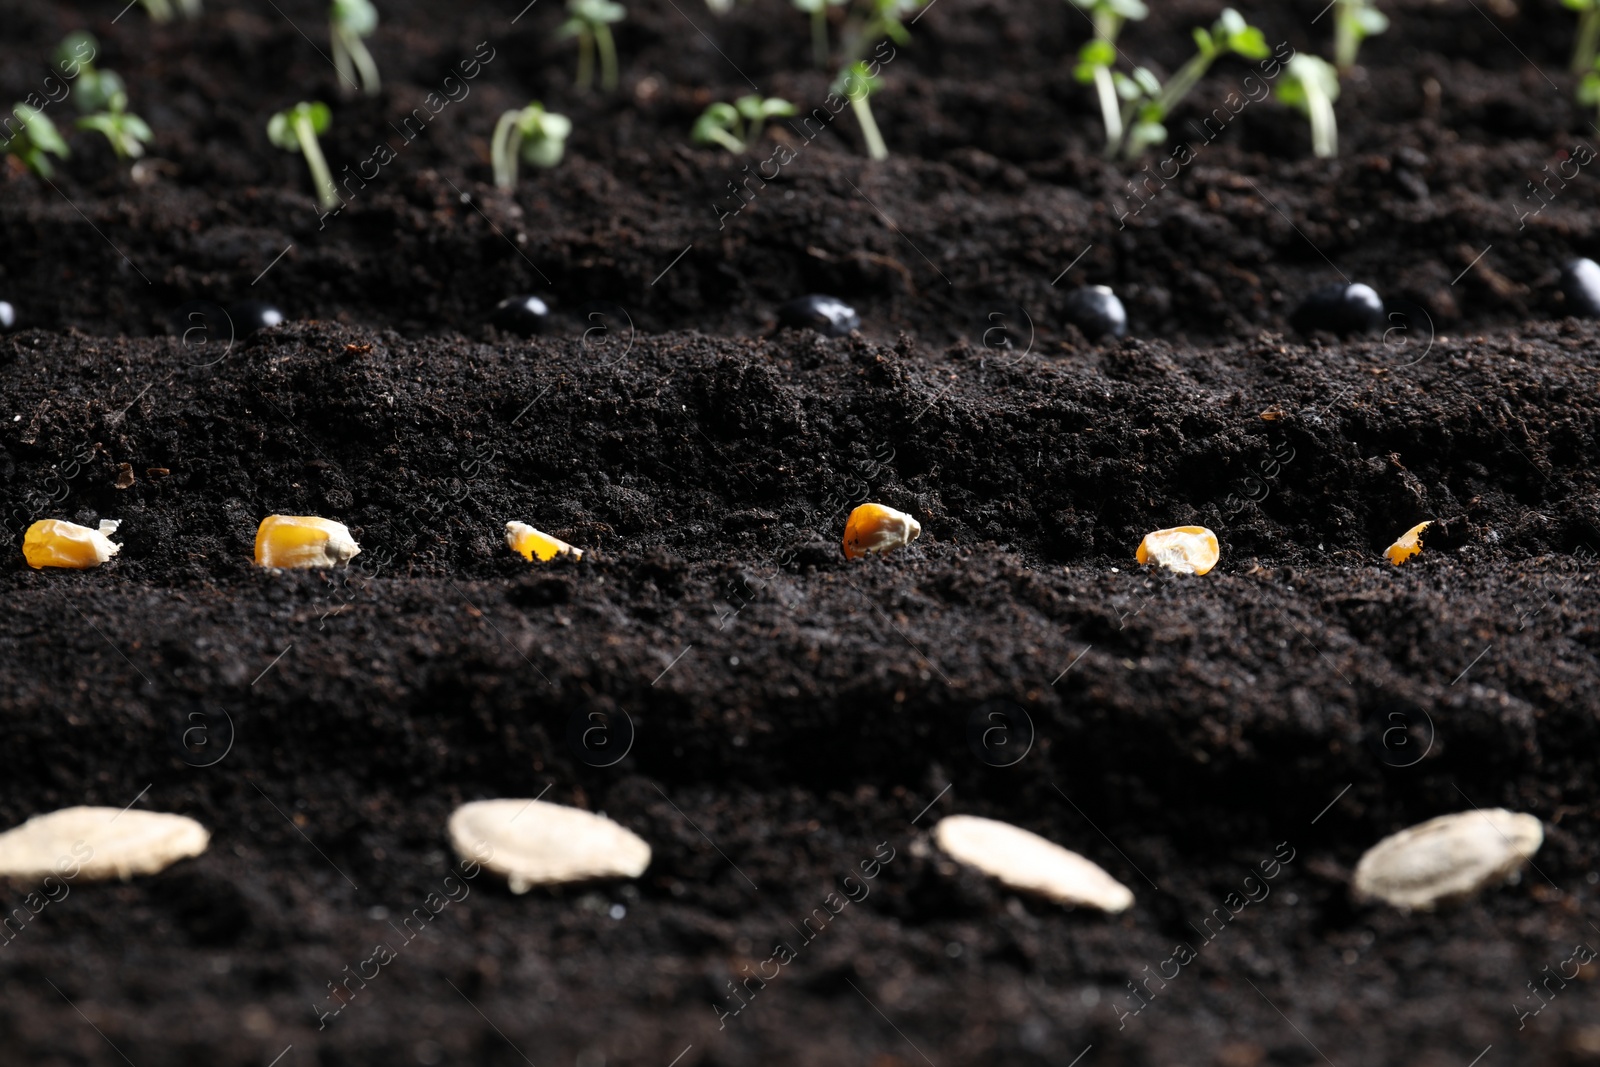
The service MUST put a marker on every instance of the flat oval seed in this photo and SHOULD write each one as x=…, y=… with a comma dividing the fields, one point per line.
x=54, y=543
x=533, y=842
x=1407, y=544
x=8, y=316
x=873, y=529
x=1026, y=861
x=298, y=541
x=1182, y=549
x=530, y=543
x=101, y=842
x=1448, y=858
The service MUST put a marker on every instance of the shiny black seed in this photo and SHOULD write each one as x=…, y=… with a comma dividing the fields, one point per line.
x=1339, y=309
x=8, y=316
x=1096, y=311
x=521, y=315
x=828, y=315
x=1580, y=284
x=251, y=315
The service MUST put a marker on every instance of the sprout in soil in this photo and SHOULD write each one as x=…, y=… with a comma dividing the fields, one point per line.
x=348, y=22
x=818, y=10
x=95, y=88
x=737, y=126
x=532, y=134
x=880, y=19
x=1229, y=34
x=1310, y=85
x=35, y=141
x=1354, y=22
x=1583, y=54
x=161, y=10
x=127, y=132
x=295, y=130
x=590, y=22
x=1142, y=114
x=857, y=83
x=1146, y=103
x=1095, y=59
x=1589, y=87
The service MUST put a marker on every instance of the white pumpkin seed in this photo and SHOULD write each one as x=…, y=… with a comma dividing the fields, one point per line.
x=99, y=843
x=1448, y=858
x=533, y=842
x=1024, y=860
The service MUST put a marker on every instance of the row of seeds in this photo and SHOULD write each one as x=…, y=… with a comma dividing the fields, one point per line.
x=534, y=842
x=298, y=541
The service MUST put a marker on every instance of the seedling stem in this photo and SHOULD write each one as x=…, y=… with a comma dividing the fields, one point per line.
x=532, y=134
x=590, y=22
x=857, y=83
x=348, y=22
x=297, y=128
x=1096, y=58
x=1354, y=22
x=1583, y=54
x=1311, y=85
x=1230, y=33
x=818, y=10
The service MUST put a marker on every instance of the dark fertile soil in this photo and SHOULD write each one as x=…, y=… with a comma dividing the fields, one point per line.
x=786, y=714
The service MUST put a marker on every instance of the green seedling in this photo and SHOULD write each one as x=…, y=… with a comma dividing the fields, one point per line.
x=295, y=130
x=719, y=124
x=161, y=10
x=1136, y=111
x=33, y=139
x=1143, y=116
x=1354, y=22
x=818, y=10
x=532, y=134
x=1589, y=87
x=1310, y=85
x=590, y=22
x=857, y=83
x=877, y=20
x=349, y=21
x=93, y=89
x=127, y=132
x=737, y=126
x=1096, y=58
x=1230, y=34
x=1583, y=53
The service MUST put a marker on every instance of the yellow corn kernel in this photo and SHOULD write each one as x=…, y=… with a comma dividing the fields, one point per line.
x=873, y=529
x=1184, y=549
x=1409, y=544
x=54, y=543
x=303, y=541
x=530, y=543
